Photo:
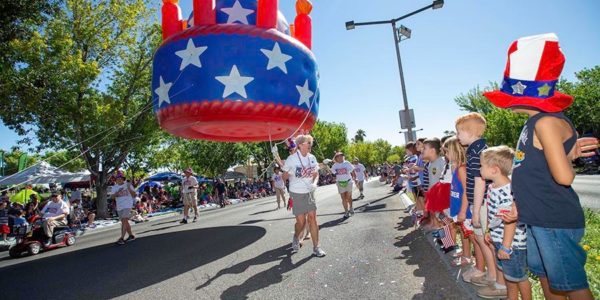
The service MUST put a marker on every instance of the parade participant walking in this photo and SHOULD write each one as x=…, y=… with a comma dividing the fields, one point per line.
x=301, y=168
x=279, y=187
x=123, y=192
x=361, y=176
x=190, y=195
x=344, y=175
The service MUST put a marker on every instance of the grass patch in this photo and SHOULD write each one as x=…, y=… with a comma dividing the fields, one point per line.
x=590, y=243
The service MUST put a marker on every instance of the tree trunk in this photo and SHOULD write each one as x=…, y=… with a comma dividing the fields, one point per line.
x=101, y=192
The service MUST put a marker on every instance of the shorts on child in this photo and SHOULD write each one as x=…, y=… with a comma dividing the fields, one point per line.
x=482, y=220
x=344, y=186
x=4, y=229
x=124, y=213
x=515, y=268
x=555, y=253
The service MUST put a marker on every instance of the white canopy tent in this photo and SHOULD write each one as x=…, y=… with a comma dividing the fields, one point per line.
x=44, y=173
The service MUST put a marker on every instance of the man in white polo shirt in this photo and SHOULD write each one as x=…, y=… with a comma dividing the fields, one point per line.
x=189, y=190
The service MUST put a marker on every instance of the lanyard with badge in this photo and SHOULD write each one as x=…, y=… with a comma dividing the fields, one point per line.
x=301, y=164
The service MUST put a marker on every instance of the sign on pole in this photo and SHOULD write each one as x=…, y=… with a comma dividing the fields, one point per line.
x=407, y=120
x=408, y=138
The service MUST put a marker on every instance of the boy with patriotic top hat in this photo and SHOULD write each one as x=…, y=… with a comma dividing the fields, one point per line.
x=542, y=169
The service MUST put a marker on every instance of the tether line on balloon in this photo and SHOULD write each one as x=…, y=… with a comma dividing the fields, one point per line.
x=107, y=132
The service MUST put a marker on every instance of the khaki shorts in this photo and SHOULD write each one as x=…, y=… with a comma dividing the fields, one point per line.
x=190, y=199
x=303, y=203
x=346, y=188
x=124, y=213
x=482, y=220
x=360, y=184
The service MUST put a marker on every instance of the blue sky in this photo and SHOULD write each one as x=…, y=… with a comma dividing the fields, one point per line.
x=451, y=50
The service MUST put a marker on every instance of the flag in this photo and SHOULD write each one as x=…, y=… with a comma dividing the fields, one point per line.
x=22, y=162
x=446, y=238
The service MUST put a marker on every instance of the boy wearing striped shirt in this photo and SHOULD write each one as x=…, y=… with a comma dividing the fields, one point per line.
x=508, y=239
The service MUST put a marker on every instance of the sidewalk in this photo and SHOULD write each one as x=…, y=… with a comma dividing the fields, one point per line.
x=456, y=272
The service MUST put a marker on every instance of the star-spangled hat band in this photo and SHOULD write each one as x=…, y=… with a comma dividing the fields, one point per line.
x=526, y=88
x=532, y=72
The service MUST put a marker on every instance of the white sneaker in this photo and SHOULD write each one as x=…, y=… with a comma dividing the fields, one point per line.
x=318, y=252
x=351, y=212
x=472, y=272
x=295, y=245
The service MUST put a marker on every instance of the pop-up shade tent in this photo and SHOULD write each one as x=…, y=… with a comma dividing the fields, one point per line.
x=165, y=176
x=44, y=173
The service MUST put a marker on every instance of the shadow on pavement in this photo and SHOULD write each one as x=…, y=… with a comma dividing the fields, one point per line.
x=436, y=282
x=264, y=279
x=109, y=271
x=263, y=212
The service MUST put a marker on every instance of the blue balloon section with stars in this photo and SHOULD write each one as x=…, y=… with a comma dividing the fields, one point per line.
x=235, y=62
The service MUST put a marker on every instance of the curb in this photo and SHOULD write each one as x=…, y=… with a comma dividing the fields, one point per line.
x=454, y=271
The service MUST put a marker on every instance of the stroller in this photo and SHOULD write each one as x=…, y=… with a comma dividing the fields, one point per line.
x=30, y=238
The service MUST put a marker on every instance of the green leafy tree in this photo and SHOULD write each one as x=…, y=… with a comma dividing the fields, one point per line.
x=364, y=151
x=81, y=79
x=11, y=160
x=585, y=110
x=393, y=158
x=400, y=151
x=383, y=149
x=503, y=126
x=474, y=101
x=66, y=160
x=329, y=137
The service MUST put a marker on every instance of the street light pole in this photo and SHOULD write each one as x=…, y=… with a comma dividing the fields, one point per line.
x=405, y=98
x=351, y=25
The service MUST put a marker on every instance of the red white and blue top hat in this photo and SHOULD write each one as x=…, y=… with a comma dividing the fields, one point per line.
x=532, y=72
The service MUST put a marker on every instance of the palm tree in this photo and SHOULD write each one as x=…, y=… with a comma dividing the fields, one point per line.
x=360, y=136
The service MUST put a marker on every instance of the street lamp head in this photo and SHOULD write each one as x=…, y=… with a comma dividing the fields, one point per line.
x=438, y=4
x=350, y=25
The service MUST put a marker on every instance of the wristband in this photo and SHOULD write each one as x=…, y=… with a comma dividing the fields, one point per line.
x=508, y=251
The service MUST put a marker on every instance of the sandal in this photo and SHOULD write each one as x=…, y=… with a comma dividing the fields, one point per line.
x=461, y=261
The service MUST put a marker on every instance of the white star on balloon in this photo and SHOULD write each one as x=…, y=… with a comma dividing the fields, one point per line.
x=518, y=88
x=276, y=58
x=163, y=92
x=305, y=94
x=234, y=83
x=237, y=13
x=190, y=55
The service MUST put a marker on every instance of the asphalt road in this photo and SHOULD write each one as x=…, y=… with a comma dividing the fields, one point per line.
x=588, y=189
x=242, y=252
